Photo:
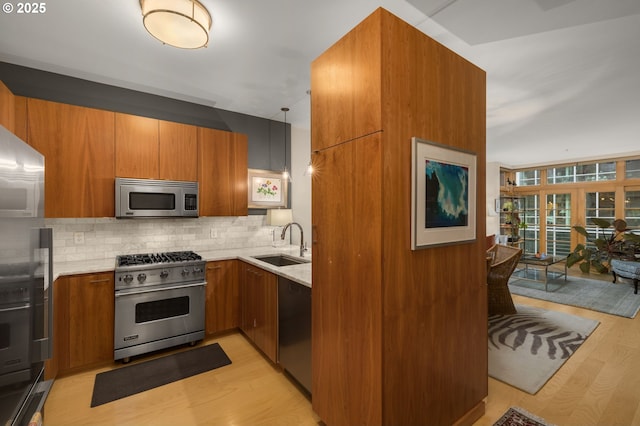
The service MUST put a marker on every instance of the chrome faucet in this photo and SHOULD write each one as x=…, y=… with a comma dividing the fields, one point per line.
x=302, y=245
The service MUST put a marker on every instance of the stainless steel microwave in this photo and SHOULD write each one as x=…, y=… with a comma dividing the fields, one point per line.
x=139, y=198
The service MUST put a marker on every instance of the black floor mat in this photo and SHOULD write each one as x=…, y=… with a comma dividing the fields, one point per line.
x=133, y=379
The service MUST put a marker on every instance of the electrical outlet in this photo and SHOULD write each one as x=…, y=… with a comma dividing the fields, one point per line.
x=78, y=237
x=213, y=233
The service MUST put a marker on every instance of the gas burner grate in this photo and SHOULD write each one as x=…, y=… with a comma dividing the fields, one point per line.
x=154, y=258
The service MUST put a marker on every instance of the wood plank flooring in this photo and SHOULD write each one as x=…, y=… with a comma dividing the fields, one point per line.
x=598, y=385
x=250, y=391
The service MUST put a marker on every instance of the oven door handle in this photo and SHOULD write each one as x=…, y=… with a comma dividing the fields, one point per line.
x=15, y=308
x=133, y=292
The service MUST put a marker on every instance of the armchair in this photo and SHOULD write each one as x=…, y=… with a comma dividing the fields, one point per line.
x=503, y=263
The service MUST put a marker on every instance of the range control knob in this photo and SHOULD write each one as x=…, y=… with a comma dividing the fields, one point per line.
x=164, y=273
x=142, y=278
x=127, y=278
x=185, y=272
x=197, y=270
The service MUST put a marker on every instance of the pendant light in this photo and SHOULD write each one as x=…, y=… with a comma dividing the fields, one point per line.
x=285, y=173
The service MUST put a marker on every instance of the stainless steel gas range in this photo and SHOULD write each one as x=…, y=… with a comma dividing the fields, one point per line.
x=159, y=302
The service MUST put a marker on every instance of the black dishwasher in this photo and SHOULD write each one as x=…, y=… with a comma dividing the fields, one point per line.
x=294, y=328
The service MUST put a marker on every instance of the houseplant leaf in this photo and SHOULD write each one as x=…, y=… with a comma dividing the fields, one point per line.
x=580, y=230
x=600, y=223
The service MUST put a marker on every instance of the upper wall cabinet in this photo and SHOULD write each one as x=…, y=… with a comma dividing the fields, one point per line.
x=7, y=108
x=21, y=117
x=148, y=148
x=78, y=146
x=347, y=75
x=178, y=151
x=136, y=146
x=222, y=172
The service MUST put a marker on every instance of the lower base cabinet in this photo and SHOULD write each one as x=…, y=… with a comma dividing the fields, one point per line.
x=259, y=307
x=223, y=296
x=83, y=321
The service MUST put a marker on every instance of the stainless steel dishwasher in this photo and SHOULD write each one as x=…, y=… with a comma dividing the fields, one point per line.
x=294, y=328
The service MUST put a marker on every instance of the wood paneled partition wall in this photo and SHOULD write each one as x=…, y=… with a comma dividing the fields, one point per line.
x=399, y=336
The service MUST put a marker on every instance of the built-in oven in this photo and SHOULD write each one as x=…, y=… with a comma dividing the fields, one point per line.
x=159, y=302
x=15, y=334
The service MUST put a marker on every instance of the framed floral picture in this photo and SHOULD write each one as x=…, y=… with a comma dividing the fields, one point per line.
x=443, y=195
x=267, y=189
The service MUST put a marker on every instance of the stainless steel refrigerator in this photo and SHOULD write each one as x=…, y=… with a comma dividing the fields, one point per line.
x=25, y=282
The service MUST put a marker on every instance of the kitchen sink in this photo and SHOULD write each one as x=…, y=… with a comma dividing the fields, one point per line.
x=281, y=260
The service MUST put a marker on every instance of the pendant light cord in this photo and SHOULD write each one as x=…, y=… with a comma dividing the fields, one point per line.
x=286, y=172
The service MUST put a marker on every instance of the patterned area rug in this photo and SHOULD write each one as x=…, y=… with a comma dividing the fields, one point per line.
x=602, y=296
x=527, y=348
x=516, y=416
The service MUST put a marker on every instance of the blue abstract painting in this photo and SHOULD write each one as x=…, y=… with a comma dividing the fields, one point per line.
x=447, y=195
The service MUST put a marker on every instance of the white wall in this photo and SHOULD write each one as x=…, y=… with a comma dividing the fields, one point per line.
x=301, y=184
x=493, y=192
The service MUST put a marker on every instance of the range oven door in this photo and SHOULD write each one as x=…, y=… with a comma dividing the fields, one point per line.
x=154, y=318
x=15, y=362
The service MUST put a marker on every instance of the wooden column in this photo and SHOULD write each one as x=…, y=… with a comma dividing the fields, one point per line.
x=399, y=336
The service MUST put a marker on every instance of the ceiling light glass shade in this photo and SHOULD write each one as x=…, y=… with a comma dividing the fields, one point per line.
x=179, y=23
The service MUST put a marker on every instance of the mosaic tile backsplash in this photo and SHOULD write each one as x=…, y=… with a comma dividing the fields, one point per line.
x=105, y=238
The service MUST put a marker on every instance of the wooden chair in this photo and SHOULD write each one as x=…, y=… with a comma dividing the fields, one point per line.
x=503, y=263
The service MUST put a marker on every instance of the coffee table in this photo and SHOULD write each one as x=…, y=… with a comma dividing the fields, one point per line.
x=540, y=265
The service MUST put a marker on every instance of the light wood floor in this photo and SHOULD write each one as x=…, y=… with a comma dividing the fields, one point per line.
x=598, y=385
x=250, y=391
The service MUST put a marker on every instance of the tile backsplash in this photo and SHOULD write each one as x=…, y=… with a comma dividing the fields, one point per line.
x=104, y=238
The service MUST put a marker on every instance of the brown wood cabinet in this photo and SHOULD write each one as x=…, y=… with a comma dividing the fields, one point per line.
x=223, y=296
x=83, y=320
x=398, y=335
x=86, y=148
x=21, y=117
x=222, y=172
x=259, y=306
x=178, y=151
x=78, y=146
x=7, y=108
x=136, y=147
x=148, y=148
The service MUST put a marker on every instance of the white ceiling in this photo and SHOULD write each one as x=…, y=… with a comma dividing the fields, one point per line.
x=563, y=79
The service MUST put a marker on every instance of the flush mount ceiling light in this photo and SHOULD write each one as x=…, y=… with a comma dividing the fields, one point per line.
x=178, y=23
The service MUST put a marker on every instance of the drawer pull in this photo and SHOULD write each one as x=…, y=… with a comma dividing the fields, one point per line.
x=106, y=280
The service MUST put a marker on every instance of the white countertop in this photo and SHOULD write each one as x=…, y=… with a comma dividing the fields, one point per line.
x=299, y=273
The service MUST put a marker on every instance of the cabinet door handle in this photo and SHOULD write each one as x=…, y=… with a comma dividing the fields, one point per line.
x=211, y=268
x=106, y=280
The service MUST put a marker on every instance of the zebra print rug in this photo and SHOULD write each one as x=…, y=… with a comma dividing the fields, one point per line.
x=527, y=348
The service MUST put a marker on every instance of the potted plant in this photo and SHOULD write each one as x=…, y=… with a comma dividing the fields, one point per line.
x=620, y=244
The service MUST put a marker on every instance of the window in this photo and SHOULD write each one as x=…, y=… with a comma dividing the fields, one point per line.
x=532, y=220
x=528, y=177
x=632, y=209
x=604, y=171
x=558, y=209
x=632, y=169
x=600, y=205
x=596, y=172
x=561, y=175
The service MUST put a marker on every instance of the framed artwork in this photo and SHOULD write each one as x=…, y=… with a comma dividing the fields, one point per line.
x=267, y=189
x=443, y=195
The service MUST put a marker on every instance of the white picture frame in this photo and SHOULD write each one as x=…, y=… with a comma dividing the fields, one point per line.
x=443, y=194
